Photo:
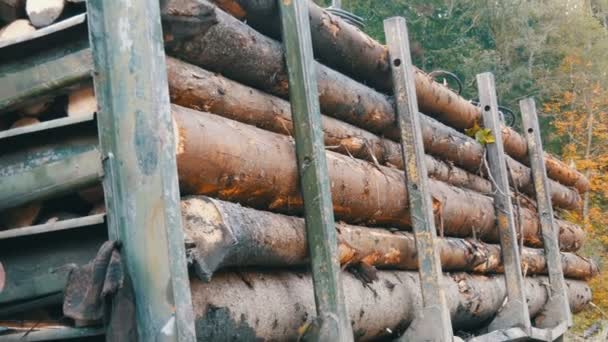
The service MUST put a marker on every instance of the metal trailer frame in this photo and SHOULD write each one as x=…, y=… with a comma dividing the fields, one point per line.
x=136, y=161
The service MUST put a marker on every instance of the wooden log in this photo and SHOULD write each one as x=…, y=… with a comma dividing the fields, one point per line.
x=215, y=40
x=36, y=109
x=223, y=234
x=11, y=10
x=23, y=122
x=16, y=29
x=21, y=216
x=2, y=277
x=44, y=12
x=345, y=48
x=237, y=162
x=230, y=306
x=196, y=88
x=82, y=101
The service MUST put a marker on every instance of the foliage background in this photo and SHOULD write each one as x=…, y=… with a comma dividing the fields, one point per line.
x=553, y=50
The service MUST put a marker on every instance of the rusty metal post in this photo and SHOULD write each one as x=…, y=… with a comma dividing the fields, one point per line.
x=433, y=323
x=556, y=313
x=138, y=148
x=333, y=323
x=514, y=314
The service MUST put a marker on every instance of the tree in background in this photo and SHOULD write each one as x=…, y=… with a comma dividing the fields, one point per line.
x=553, y=50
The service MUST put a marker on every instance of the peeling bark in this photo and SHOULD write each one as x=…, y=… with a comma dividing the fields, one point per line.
x=263, y=306
x=237, y=162
x=199, y=89
x=222, y=234
x=224, y=44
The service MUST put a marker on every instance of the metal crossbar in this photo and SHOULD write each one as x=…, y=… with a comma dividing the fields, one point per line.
x=332, y=323
x=433, y=322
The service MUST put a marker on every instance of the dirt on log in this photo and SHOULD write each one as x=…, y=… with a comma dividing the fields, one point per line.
x=223, y=234
x=271, y=306
x=241, y=163
x=202, y=34
x=196, y=88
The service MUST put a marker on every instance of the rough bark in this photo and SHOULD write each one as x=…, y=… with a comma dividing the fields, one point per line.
x=221, y=43
x=237, y=162
x=222, y=234
x=248, y=306
x=196, y=88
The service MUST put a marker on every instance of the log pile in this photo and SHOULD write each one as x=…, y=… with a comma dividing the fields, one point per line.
x=242, y=208
x=237, y=165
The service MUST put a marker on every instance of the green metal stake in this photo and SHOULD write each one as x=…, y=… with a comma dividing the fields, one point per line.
x=433, y=323
x=140, y=183
x=556, y=312
x=332, y=321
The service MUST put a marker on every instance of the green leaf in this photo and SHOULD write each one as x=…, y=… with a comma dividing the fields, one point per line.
x=484, y=136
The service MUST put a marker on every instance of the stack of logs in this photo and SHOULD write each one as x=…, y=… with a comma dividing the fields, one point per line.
x=242, y=207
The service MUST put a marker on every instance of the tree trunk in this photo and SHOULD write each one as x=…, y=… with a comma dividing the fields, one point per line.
x=222, y=234
x=199, y=89
x=223, y=44
x=237, y=162
x=248, y=306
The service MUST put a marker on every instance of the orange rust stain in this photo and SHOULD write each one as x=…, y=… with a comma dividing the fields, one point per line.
x=372, y=259
x=232, y=7
x=392, y=257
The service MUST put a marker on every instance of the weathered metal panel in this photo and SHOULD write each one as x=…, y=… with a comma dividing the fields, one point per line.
x=40, y=174
x=314, y=178
x=141, y=185
x=41, y=74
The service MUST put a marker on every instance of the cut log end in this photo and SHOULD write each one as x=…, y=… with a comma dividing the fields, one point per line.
x=82, y=102
x=23, y=122
x=44, y=12
x=16, y=29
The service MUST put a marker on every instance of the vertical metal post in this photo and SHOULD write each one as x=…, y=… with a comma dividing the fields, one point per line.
x=138, y=147
x=557, y=310
x=515, y=312
x=433, y=323
x=332, y=319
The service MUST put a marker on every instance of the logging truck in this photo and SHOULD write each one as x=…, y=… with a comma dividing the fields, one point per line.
x=233, y=170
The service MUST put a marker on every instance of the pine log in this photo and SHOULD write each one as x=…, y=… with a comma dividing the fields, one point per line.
x=16, y=29
x=202, y=34
x=36, y=109
x=196, y=88
x=241, y=163
x=23, y=122
x=22, y=216
x=11, y=10
x=44, y=12
x=253, y=306
x=222, y=234
x=349, y=50
x=82, y=101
